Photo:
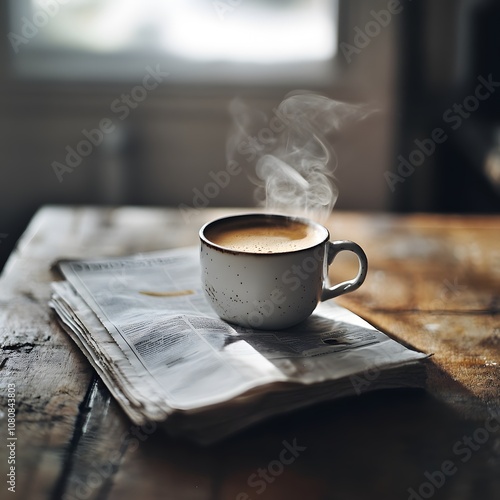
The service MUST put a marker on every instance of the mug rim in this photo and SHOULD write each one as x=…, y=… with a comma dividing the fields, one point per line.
x=262, y=215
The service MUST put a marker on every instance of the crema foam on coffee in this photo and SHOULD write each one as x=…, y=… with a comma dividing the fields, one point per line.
x=265, y=236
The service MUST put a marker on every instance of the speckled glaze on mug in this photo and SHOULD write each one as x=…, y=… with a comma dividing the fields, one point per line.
x=277, y=289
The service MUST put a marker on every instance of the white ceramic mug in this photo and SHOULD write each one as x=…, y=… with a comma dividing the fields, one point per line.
x=272, y=287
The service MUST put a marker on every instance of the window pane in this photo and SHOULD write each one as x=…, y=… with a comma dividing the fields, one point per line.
x=202, y=41
x=229, y=30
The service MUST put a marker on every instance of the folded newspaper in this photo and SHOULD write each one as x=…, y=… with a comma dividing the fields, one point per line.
x=145, y=326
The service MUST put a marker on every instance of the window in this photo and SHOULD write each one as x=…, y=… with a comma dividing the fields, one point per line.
x=233, y=41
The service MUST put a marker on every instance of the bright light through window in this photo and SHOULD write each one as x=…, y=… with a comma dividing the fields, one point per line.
x=242, y=31
x=201, y=42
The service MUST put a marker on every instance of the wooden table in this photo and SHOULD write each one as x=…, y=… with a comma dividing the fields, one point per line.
x=434, y=284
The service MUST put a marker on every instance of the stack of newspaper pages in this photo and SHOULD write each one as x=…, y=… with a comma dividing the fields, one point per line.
x=144, y=324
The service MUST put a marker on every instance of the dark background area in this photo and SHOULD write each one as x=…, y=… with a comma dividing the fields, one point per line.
x=427, y=59
x=445, y=51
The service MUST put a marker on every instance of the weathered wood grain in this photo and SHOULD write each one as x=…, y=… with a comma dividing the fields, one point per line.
x=434, y=284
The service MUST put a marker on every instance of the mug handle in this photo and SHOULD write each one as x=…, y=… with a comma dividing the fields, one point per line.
x=334, y=248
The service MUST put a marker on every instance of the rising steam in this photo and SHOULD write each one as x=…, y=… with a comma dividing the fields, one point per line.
x=291, y=151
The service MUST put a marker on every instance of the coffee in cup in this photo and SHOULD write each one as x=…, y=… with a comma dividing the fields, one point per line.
x=264, y=235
